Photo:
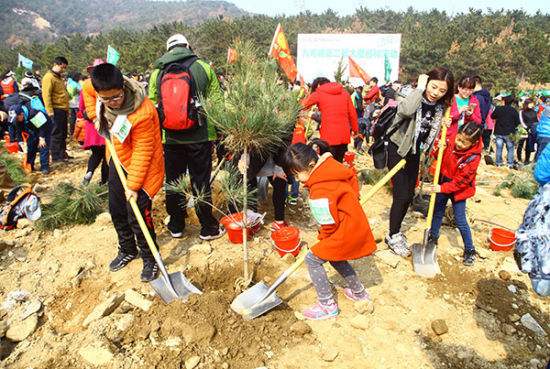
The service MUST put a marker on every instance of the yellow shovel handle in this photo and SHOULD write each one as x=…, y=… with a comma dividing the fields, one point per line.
x=442, y=145
x=132, y=201
x=374, y=189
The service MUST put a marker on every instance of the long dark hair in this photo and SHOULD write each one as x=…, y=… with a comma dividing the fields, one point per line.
x=443, y=74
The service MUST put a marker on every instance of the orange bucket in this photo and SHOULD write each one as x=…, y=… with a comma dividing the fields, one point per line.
x=12, y=147
x=232, y=223
x=502, y=239
x=286, y=240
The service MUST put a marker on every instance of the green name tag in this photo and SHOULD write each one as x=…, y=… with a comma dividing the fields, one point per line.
x=321, y=211
x=121, y=127
x=39, y=119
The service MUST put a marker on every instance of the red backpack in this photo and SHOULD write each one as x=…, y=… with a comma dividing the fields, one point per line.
x=178, y=105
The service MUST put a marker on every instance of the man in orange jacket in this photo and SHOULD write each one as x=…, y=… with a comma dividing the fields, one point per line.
x=130, y=120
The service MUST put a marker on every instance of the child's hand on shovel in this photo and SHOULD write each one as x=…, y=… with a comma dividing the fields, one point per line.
x=432, y=188
x=131, y=194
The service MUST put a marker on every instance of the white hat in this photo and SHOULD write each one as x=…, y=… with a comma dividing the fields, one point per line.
x=177, y=39
x=10, y=74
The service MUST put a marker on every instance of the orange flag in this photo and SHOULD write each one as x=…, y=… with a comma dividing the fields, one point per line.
x=356, y=71
x=279, y=50
x=232, y=55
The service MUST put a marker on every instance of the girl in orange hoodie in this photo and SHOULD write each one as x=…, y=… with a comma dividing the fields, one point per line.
x=345, y=233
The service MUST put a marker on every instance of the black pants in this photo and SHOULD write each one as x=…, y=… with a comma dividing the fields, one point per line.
x=97, y=158
x=126, y=225
x=197, y=159
x=72, y=120
x=486, y=138
x=59, y=135
x=338, y=151
x=404, y=183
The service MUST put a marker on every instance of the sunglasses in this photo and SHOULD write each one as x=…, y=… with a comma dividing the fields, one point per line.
x=112, y=98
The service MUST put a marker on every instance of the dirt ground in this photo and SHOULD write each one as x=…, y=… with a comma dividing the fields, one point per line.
x=68, y=272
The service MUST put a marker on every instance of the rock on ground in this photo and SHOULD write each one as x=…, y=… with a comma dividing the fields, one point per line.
x=96, y=354
x=439, y=326
x=104, y=309
x=388, y=257
x=364, y=307
x=300, y=328
x=192, y=362
x=19, y=331
x=136, y=299
x=103, y=219
x=329, y=354
x=530, y=323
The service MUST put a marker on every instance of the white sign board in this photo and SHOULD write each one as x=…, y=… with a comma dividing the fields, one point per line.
x=319, y=54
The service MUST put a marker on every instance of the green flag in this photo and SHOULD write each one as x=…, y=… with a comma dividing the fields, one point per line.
x=387, y=68
x=112, y=55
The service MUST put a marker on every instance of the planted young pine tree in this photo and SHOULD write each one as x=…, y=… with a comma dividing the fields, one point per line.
x=256, y=114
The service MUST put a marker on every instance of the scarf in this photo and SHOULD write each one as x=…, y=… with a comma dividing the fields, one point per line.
x=435, y=125
x=134, y=95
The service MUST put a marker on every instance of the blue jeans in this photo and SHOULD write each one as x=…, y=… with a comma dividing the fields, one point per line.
x=44, y=152
x=294, y=187
x=459, y=208
x=500, y=141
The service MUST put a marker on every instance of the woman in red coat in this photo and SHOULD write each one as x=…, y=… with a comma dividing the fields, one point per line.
x=458, y=183
x=345, y=233
x=338, y=115
x=465, y=106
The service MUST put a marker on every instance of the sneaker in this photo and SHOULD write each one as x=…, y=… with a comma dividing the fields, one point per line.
x=398, y=244
x=150, y=271
x=363, y=296
x=291, y=200
x=121, y=260
x=278, y=224
x=321, y=311
x=469, y=258
x=175, y=234
x=432, y=240
x=210, y=237
x=45, y=172
x=87, y=178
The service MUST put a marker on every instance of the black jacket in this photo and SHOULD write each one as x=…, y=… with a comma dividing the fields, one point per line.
x=506, y=120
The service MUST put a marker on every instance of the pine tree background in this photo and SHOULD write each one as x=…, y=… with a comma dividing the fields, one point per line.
x=504, y=47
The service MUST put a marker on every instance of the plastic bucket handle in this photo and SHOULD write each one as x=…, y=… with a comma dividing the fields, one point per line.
x=500, y=244
x=287, y=251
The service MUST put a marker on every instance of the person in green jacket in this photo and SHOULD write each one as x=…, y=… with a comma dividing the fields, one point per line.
x=189, y=149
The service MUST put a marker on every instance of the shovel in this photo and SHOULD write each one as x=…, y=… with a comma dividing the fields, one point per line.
x=423, y=255
x=261, y=298
x=171, y=286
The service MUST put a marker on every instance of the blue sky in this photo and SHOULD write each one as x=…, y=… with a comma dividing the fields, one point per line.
x=345, y=7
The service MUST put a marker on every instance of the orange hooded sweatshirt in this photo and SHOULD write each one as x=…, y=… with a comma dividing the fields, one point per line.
x=345, y=232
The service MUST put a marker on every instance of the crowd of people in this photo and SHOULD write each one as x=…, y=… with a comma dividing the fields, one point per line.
x=161, y=133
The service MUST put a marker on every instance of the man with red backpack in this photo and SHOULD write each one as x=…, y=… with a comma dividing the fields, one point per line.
x=178, y=80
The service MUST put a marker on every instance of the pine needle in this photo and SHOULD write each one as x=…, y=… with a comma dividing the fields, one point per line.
x=13, y=167
x=73, y=205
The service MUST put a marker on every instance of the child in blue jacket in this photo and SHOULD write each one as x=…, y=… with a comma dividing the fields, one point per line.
x=34, y=122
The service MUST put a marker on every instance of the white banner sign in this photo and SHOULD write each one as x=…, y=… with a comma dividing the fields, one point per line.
x=378, y=54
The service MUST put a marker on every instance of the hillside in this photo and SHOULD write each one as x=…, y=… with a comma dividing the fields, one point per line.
x=45, y=20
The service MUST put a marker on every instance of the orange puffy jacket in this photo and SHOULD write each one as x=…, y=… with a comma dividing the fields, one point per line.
x=89, y=96
x=345, y=232
x=141, y=152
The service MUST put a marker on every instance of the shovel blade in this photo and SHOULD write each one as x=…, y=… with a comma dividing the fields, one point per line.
x=178, y=287
x=425, y=260
x=251, y=303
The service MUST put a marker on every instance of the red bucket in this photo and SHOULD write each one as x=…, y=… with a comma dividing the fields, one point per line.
x=12, y=147
x=349, y=157
x=286, y=241
x=234, y=230
x=502, y=239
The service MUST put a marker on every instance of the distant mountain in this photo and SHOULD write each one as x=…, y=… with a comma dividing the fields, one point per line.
x=23, y=21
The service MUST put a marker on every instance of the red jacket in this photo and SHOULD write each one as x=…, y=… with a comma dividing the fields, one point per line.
x=345, y=234
x=459, y=170
x=372, y=95
x=455, y=115
x=338, y=115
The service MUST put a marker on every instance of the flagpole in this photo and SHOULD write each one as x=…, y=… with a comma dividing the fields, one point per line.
x=277, y=30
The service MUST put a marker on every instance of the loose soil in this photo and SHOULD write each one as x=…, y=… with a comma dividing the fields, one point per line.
x=69, y=274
